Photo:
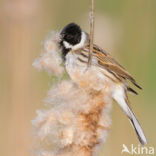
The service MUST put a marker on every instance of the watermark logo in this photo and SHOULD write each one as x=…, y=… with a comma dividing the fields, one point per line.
x=137, y=150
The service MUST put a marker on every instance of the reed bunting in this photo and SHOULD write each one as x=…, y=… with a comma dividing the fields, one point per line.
x=74, y=45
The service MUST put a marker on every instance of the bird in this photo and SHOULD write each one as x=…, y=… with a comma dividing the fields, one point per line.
x=74, y=45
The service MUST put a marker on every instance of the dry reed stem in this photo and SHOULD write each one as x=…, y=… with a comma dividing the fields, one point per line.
x=91, y=32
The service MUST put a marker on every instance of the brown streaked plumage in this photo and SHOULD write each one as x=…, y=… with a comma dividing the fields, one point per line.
x=106, y=61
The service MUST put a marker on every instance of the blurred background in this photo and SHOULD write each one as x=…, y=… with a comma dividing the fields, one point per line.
x=126, y=29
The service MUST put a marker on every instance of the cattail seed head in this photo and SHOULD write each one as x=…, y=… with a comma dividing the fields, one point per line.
x=76, y=120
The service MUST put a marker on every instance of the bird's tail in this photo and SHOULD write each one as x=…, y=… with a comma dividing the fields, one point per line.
x=120, y=99
x=137, y=127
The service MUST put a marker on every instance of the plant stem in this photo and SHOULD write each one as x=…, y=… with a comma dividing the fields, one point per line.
x=91, y=32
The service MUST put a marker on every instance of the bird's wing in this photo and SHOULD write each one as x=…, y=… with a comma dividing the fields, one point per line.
x=105, y=60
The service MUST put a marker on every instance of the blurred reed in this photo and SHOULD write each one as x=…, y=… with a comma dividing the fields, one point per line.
x=17, y=19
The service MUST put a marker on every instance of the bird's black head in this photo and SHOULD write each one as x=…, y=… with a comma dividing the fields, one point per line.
x=71, y=33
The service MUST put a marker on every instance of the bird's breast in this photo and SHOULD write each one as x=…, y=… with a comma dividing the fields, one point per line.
x=88, y=78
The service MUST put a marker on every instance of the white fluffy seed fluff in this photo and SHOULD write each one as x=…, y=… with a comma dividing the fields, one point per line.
x=76, y=120
x=50, y=59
